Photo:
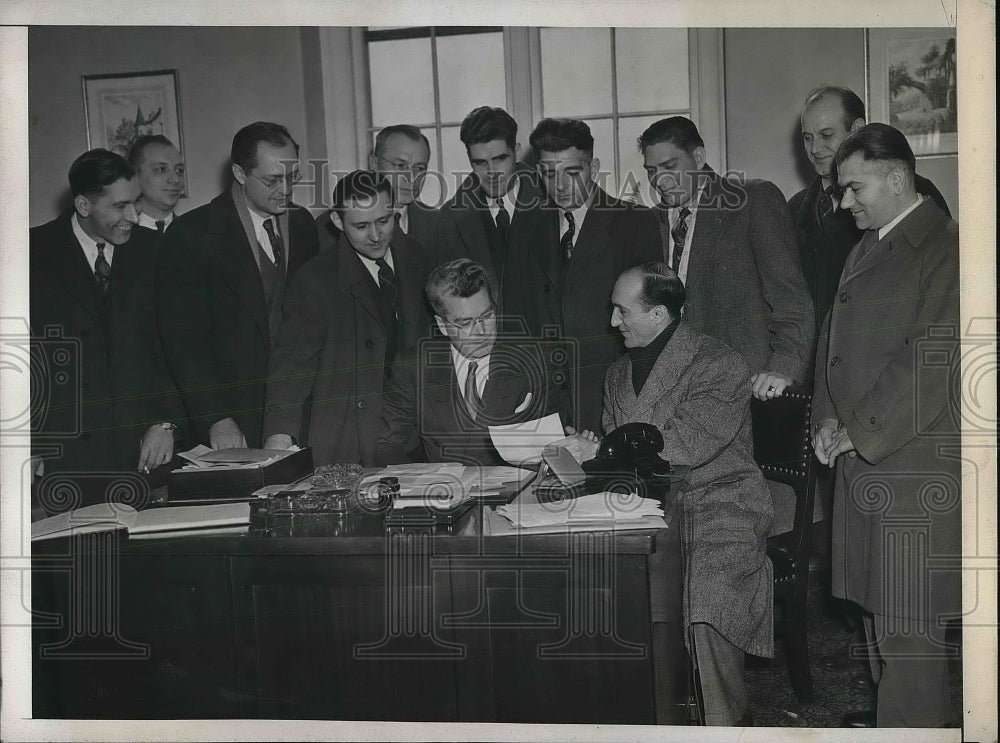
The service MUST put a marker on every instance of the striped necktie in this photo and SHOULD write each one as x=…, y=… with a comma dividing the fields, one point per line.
x=678, y=236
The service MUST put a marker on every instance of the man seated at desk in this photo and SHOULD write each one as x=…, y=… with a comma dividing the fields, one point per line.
x=696, y=390
x=442, y=395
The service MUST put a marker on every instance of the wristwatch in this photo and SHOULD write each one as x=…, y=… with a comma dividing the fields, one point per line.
x=168, y=426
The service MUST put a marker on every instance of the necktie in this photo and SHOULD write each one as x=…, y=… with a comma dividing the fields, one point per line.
x=824, y=206
x=277, y=245
x=566, y=241
x=102, y=271
x=387, y=282
x=472, y=400
x=503, y=220
x=677, y=236
x=399, y=221
x=161, y=224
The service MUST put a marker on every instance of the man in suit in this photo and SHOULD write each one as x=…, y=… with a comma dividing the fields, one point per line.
x=732, y=243
x=563, y=278
x=444, y=393
x=111, y=406
x=496, y=209
x=696, y=390
x=221, y=280
x=825, y=232
x=891, y=432
x=401, y=154
x=347, y=314
x=161, y=176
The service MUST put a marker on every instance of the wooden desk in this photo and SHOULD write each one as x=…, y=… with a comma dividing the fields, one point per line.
x=324, y=618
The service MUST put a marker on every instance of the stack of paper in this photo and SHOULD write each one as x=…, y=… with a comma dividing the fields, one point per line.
x=444, y=485
x=607, y=510
x=522, y=443
x=201, y=457
x=172, y=519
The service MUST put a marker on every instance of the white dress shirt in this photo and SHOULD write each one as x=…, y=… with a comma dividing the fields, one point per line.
x=461, y=364
x=509, y=201
x=372, y=266
x=883, y=231
x=148, y=220
x=673, y=215
x=258, y=228
x=404, y=218
x=89, y=245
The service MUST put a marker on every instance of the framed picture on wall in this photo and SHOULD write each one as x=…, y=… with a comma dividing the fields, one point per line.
x=912, y=85
x=121, y=107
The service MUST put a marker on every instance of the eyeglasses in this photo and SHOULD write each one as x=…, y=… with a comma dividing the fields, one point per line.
x=273, y=182
x=466, y=325
x=415, y=168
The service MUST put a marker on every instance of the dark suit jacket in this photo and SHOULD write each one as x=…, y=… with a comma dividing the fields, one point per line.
x=744, y=284
x=99, y=399
x=576, y=299
x=895, y=387
x=698, y=395
x=213, y=314
x=825, y=243
x=424, y=405
x=331, y=348
x=423, y=223
x=466, y=228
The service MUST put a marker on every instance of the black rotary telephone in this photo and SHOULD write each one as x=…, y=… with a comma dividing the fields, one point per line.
x=632, y=448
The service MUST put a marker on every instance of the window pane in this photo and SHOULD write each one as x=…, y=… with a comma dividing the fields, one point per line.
x=576, y=71
x=470, y=74
x=402, y=89
x=632, y=177
x=604, y=150
x=652, y=69
x=454, y=159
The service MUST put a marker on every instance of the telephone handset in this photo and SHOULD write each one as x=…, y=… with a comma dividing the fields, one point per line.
x=634, y=447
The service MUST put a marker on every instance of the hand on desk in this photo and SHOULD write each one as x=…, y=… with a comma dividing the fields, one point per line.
x=226, y=434
x=156, y=448
x=582, y=446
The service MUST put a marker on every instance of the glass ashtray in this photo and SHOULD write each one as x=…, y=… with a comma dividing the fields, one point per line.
x=336, y=476
x=316, y=500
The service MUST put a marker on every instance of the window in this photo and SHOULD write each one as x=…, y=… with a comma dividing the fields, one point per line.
x=432, y=77
x=627, y=79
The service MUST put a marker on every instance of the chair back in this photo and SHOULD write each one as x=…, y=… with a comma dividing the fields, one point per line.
x=782, y=448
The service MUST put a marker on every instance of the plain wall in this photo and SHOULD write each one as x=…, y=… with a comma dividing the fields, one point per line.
x=768, y=73
x=227, y=78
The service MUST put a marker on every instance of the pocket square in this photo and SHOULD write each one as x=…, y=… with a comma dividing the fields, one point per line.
x=524, y=405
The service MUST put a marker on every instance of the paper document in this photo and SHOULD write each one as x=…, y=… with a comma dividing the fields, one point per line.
x=110, y=516
x=606, y=508
x=202, y=457
x=522, y=443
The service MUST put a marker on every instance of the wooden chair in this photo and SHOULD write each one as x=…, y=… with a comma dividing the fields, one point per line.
x=783, y=451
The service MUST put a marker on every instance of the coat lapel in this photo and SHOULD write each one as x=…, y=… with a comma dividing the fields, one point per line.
x=669, y=367
x=709, y=227
x=595, y=234
x=75, y=272
x=355, y=280
x=236, y=259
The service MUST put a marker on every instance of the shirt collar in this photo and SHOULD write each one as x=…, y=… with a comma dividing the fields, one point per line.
x=89, y=244
x=148, y=220
x=461, y=364
x=883, y=231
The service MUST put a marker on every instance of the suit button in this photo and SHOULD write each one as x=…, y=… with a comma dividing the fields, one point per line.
x=362, y=405
x=834, y=361
x=548, y=288
x=872, y=420
x=844, y=296
x=369, y=343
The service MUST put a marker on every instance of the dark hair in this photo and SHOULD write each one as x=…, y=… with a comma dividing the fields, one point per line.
x=661, y=286
x=95, y=170
x=679, y=131
x=361, y=184
x=407, y=130
x=461, y=277
x=246, y=140
x=556, y=135
x=853, y=106
x=878, y=142
x=485, y=124
x=134, y=156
